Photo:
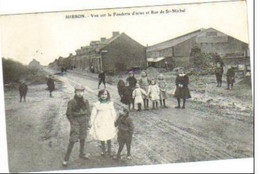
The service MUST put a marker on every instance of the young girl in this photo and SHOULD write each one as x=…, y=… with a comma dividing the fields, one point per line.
x=162, y=85
x=182, y=91
x=144, y=83
x=154, y=93
x=103, y=117
x=138, y=96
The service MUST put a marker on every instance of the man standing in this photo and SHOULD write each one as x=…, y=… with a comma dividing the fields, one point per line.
x=230, y=77
x=23, y=90
x=51, y=85
x=102, y=79
x=78, y=114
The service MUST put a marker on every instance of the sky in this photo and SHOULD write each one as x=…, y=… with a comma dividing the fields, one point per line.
x=46, y=36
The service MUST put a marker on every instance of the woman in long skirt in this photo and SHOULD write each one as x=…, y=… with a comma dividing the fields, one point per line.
x=182, y=91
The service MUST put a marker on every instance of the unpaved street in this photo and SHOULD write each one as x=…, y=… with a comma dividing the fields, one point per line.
x=38, y=131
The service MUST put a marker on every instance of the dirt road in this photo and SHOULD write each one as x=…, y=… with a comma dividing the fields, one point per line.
x=38, y=131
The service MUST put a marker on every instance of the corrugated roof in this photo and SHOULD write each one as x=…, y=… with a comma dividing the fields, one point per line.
x=175, y=41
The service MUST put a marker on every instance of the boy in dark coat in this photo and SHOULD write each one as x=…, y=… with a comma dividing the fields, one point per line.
x=120, y=86
x=126, y=98
x=78, y=114
x=51, y=85
x=230, y=78
x=131, y=80
x=102, y=79
x=23, y=91
x=125, y=132
x=182, y=91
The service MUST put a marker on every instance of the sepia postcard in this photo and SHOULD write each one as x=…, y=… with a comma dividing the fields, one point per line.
x=128, y=86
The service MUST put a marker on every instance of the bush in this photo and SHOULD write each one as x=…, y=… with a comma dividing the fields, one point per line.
x=14, y=71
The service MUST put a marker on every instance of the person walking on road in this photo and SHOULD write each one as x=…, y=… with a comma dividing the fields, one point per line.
x=102, y=121
x=102, y=79
x=50, y=84
x=78, y=113
x=182, y=91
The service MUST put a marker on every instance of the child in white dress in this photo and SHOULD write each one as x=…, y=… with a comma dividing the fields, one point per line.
x=154, y=93
x=138, y=96
x=103, y=117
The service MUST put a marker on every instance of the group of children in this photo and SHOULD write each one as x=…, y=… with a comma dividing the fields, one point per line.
x=145, y=89
x=103, y=122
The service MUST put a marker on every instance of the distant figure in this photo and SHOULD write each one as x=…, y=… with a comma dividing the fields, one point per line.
x=92, y=69
x=144, y=83
x=166, y=65
x=51, y=85
x=219, y=73
x=62, y=70
x=162, y=85
x=125, y=132
x=120, y=86
x=154, y=93
x=182, y=91
x=138, y=94
x=23, y=91
x=78, y=113
x=230, y=77
x=102, y=79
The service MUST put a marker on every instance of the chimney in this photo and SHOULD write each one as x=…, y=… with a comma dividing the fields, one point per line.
x=102, y=39
x=115, y=33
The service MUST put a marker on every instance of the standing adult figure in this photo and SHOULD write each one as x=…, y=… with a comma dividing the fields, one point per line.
x=230, y=77
x=219, y=69
x=23, y=88
x=219, y=73
x=78, y=113
x=102, y=78
x=182, y=91
x=50, y=84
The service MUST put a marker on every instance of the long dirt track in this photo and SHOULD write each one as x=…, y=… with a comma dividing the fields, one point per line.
x=38, y=131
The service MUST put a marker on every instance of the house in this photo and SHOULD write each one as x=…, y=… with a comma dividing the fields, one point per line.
x=118, y=53
x=34, y=64
x=231, y=50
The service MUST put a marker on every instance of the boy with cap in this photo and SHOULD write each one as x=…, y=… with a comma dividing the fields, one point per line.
x=78, y=113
